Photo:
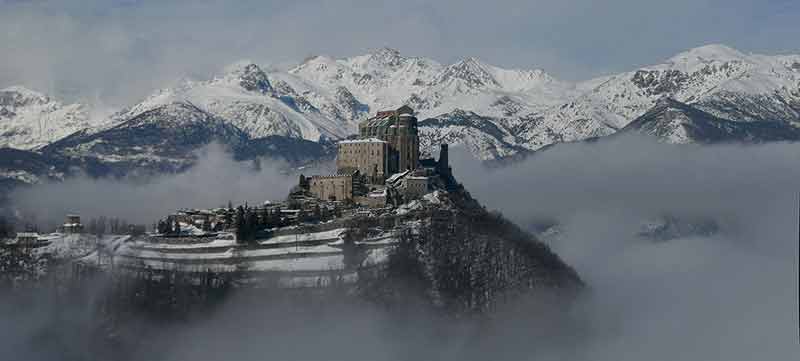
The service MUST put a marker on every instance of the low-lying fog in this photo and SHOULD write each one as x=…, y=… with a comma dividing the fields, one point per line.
x=214, y=181
x=729, y=296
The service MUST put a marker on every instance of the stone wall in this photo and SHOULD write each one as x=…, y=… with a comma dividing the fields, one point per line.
x=333, y=187
x=371, y=157
x=415, y=187
x=399, y=129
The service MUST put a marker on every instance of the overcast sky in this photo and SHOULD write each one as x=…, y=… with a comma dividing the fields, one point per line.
x=119, y=51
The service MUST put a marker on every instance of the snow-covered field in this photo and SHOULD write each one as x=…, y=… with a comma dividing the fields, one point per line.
x=296, y=260
x=75, y=246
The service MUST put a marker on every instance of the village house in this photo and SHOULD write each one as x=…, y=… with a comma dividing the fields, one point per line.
x=72, y=224
x=27, y=239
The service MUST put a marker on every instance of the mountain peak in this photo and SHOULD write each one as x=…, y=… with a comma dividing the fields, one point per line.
x=676, y=122
x=175, y=113
x=472, y=63
x=386, y=56
x=21, y=94
x=471, y=71
x=250, y=77
x=709, y=53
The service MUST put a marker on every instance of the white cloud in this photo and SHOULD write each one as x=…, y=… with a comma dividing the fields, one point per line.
x=212, y=182
x=729, y=296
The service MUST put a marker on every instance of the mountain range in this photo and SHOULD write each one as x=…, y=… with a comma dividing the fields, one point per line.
x=708, y=94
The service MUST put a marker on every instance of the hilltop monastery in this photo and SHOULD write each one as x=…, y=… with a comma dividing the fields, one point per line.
x=382, y=162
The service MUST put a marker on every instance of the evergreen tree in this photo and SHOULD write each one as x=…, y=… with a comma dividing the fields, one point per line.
x=264, y=218
x=114, y=225
x=101, y=225
x=227, y=218
x=275, y=217
x=92, y=229
x=6, y=228
x=252, y=225
x=241, y=231
x=317, y=213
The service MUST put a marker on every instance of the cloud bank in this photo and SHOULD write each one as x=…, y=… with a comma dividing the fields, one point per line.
x=727, y=296
x=212, y=182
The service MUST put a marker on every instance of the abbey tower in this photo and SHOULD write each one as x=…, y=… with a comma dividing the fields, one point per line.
x=379, y=164
x=387, y=143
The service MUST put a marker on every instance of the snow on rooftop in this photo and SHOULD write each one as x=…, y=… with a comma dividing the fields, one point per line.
x=432, y=197
x=367, y=140
x=377, y=193
x=397, y=176
x=27, y=234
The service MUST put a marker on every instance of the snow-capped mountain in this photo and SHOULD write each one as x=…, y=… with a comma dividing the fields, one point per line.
x=714, y=78
x=29, y=120
x=493, y=112
x=166, y=139
x=245, y=97
x=480, y=135
x=384, y=79
x=163, y=138
x=533, y=109
x=675, y=122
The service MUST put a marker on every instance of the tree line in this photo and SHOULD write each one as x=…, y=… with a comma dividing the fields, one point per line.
x=112, y=225
x=251, y=223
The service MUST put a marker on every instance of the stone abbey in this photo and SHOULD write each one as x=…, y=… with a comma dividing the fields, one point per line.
x=383, y=158
x=387, y=143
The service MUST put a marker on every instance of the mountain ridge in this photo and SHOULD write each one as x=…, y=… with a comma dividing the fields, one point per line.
x=323, y=98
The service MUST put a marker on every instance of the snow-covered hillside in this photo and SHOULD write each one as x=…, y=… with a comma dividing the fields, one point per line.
x=532, y=109
x=385, y=79
x=245, y=97
x=29, y=120
x=674, y=122
x=715, y=78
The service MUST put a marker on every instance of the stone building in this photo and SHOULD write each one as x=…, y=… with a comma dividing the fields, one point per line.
x=27, y=238
x=414, y=186
x=337, y=187
x=398, y=128
x=371, y=157
x=387, y=144
x=72, y=224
